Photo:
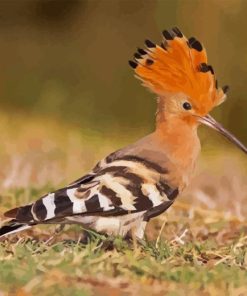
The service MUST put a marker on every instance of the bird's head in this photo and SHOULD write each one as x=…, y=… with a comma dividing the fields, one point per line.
x=177, y=71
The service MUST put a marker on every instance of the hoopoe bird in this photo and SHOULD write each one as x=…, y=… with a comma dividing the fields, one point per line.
x=141, y=181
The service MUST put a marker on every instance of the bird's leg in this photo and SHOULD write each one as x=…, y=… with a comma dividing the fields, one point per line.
x=84, y=237
x=136, y=234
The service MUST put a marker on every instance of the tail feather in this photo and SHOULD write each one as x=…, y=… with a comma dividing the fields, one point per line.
x=13, y=227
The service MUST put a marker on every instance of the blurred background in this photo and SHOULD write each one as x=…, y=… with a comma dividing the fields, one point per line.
x=68, y=96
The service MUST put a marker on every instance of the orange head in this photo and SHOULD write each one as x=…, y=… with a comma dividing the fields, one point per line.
x=178, y=69
x=178, y=72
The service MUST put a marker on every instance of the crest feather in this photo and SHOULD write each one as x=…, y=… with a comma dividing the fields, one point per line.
x=178, y=65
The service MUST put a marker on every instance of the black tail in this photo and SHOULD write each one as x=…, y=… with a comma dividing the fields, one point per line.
x=12, y=227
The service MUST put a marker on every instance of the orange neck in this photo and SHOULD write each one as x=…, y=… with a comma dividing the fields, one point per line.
x=178, y=137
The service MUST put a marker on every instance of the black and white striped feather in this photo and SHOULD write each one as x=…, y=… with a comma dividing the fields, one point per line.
x=125, y=188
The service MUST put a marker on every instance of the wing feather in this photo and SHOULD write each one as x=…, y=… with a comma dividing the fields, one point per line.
x=127, y=184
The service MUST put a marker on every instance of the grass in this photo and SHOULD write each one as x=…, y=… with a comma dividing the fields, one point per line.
x=197, y=248
x=36, y=263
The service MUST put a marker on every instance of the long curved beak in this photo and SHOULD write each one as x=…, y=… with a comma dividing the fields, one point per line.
x=211, y=122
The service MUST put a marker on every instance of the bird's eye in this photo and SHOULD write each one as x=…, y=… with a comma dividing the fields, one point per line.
x=187, y=106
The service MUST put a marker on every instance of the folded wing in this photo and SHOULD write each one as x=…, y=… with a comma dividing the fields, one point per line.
x=118, y=186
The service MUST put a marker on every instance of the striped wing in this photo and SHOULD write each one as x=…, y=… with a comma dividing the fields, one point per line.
x=116, y=186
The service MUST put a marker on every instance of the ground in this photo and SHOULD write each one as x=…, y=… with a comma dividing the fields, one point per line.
x=197, y=248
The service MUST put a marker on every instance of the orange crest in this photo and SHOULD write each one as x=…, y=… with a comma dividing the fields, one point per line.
x=179, y=65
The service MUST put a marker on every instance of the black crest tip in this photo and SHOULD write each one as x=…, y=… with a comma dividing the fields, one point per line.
x=133, y=64
x=211, y=69
x=225, y=89
x=203, y=67
x=137, y=56
x=194, y=43
x=149, y=43
x=167, y=35
x=197, y=46
x=141, y=51
x=191, y=40
x=162, y=45
x=149, y=62
x=177, y=32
